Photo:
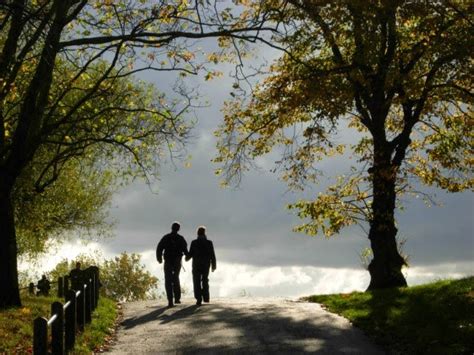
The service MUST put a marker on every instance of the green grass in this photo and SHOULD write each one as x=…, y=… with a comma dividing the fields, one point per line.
x=98, y=333
x=436, y=318
x=16, y=325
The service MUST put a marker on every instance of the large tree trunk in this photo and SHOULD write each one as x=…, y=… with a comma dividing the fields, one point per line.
x=26, y=140
x=386, y=265
x=9, y=294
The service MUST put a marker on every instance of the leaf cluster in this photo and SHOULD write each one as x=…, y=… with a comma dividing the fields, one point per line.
x=398, y=75
x=75, y=204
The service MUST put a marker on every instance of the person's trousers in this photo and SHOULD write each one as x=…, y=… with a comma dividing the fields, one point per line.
x=201, y=285
x=172, y=285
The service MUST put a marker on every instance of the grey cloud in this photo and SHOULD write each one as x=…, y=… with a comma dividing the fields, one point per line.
x=442, y=233
x=251, y=225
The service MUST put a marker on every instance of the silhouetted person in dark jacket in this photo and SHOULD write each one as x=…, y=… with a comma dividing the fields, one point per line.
x=77, y=277
x=43, y=286
x=174, y=246
x=202, y=252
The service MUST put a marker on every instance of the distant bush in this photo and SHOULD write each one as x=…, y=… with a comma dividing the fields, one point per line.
x=123, y=278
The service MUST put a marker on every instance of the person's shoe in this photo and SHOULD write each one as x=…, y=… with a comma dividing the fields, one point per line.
x=177, y=302
x=207, y=300
x=198, y=303
x=170, y=305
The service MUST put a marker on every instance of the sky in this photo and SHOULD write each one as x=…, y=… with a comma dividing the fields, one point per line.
x=257, y=252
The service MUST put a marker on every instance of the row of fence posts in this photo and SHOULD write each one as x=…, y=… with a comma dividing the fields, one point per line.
x=69, y=317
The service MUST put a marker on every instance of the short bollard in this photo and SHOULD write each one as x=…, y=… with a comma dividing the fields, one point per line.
x=66, y=319
x=65, y=285
x=95, y=273
x=70, y=318
x=81, y=308
x=93, y=300
x=40, y=336
x=88, y=304
x=57, y=334
x=60, y=287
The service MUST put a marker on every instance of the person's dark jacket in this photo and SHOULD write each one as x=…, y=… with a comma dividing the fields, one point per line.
x=44, y=286
x=202, y=253
x=174, y=246
x=77, y=278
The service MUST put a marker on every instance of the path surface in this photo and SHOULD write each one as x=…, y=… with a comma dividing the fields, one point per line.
x=237, y=326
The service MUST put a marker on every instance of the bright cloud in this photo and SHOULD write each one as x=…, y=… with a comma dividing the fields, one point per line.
x=234, y=280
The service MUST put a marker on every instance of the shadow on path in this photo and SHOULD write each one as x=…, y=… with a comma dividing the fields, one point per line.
x=148, y=317
x=263, y=328
x=182, y=313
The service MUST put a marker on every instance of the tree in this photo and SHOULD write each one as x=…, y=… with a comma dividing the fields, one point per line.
x=396, y=73
x=76, y=202
x=65, y=266
x=123, y=278
x=61, y=59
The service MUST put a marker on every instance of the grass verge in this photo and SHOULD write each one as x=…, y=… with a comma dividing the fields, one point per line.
x=436, y=318
x=97, y=334
x=16, y=325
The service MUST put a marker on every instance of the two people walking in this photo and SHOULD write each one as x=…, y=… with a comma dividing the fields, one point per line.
x=172, y=247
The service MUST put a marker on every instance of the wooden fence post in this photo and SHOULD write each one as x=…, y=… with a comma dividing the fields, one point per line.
x=96, y=284
x=60, y=287
x=40, y=336
x=66, y=319
x=65, y=285
x=81, y=309
x=88, y=301
x=92, y=272
x=93, y=300
x=70, y=321
x=57, y=328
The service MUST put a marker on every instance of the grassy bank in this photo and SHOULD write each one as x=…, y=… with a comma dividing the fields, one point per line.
x=98, y=333
x=436, y=318
x=16, y=325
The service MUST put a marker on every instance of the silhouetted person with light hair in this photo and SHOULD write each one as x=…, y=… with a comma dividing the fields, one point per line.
x=202, y=253
x=174, y=246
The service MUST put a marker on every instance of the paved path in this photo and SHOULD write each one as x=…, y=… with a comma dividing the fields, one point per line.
x=237, y=326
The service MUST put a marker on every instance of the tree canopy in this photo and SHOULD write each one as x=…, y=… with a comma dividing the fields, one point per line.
x=75, y=204
x=398, y=74
x=66, y=87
